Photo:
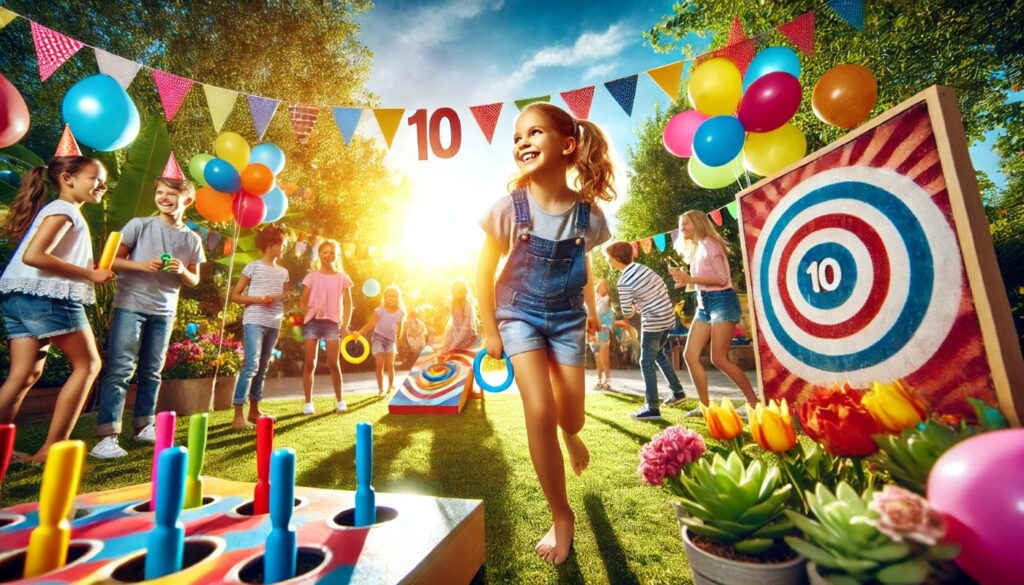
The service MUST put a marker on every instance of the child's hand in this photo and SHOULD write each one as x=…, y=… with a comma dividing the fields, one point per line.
x=268, y=299
x=174, y=266
x=592, y=325
x=101, y=276
x=152, y=265
x=494, y=347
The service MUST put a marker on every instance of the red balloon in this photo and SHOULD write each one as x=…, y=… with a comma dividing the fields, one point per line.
x=257, y=179
x=249, y=210
x=770, y=102
x=14, y=117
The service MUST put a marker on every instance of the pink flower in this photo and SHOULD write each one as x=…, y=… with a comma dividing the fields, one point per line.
x=904, y=514
x=668, y=453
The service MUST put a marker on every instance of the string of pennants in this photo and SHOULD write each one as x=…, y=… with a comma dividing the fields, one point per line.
x=663, y=240
x=53, y=49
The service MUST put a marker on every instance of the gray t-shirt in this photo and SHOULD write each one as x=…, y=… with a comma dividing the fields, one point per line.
x=154, y=293
x=499, y=223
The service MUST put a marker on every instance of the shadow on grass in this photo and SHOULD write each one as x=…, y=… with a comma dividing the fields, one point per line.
x=624, y=397
x=640, y=438
x=616, y=566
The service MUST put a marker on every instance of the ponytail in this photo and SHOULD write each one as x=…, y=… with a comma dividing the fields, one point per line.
x=34, y=189
x=596, y=176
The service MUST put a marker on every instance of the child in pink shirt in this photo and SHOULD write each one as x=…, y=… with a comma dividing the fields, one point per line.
x=327, y=303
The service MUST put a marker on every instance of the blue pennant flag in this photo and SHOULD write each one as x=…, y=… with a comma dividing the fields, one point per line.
x=347, y=119
x=262, y=110
x=852, y=11
x=659, y=241
x=623, y=90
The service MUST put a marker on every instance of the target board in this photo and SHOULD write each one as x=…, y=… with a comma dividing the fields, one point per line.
x=437, y=388
x=866, y=262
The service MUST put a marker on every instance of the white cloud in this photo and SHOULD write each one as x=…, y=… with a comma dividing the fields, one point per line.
x=589, y=47
x=430, y=26
x=600, y=70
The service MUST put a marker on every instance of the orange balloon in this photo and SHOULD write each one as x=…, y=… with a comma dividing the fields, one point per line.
x=214, y=205
x=257, y=179
x=845, y=95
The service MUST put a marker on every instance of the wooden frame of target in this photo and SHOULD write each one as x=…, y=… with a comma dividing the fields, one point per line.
x=871, y=260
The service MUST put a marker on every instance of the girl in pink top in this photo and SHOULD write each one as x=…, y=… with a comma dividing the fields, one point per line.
x=718, y=307
x=327, y=302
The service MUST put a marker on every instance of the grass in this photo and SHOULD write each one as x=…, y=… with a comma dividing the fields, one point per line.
x=626, y=532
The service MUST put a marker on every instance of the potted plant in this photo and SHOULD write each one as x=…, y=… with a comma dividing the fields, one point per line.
x=188, y=384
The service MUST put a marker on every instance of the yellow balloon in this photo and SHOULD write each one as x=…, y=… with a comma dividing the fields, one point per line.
x=232, y=148
x=715, y=87
x=766, y=153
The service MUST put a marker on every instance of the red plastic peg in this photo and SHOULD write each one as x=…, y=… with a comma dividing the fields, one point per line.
x=264, y=447
x=7, y=433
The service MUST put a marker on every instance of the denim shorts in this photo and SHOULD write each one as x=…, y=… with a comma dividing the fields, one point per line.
x=524, y=328
x=718, y=306
x=382, y=345
x=321, y=329
x=41, y=317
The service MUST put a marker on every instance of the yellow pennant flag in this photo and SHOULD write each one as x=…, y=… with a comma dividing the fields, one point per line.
x=6, y=16
x=220, y=101
x=667, y=77
x=389, y=119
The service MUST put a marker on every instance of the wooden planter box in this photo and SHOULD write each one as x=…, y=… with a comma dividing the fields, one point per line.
x=197, y=395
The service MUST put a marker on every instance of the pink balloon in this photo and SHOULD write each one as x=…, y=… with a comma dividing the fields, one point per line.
x=678, y=135
x=14, y=117
x=249, y=210
x=979, y=486
x=769, y=102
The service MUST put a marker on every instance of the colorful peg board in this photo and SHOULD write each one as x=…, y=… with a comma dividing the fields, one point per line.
x=430, y=540
x=433, y=389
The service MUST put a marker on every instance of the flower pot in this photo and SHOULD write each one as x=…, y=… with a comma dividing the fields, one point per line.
x=814, y=576
x=185, y=397
x=224, y=392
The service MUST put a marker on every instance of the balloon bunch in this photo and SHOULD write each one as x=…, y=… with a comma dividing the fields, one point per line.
x=240, y=182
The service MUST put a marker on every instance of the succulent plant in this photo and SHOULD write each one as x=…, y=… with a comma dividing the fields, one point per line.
x=908, y=457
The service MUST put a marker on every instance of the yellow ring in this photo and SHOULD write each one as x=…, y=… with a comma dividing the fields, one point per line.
x=362, y=341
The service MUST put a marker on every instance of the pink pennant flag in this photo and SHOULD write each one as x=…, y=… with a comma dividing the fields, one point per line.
x=675, y=235
x=636, y=249
x=67, y=146
x=645, y=245
x=716, y=216
x=52, y=49
x=172, y=90
x=579, y=101
x=303, y=119
x=486, y=117
x=172, y=170
x=800, y=31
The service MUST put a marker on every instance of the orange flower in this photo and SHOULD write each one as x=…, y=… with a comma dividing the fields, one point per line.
x=724, y=423
x=772, y=427
x=894, y=406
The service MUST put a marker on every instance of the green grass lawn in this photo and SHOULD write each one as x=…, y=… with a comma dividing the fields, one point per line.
x=626, y=532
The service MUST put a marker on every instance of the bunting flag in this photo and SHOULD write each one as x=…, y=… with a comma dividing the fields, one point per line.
x=172, y=170
x=624, y=91
x=716, y=216
x=303, y=118
x=852, y=11
x=645, y=245
x=733, y=209
x=347, y=120
x=739, y=49
x=388, y=119
x=636, y=249
x=659, y=242
x=121, y=69
x=486, y=117
x=67, y=146
x=674, y=234
x=736, y=33
x=220, y=101
x=52, y=49
x=667, y=77
x=527, y=101
x=6, y=16
x=579, y=101
x=800, y=32
x=172, y=90
x=262, y=110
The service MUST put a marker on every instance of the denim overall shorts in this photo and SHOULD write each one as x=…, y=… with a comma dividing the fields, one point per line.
x=540, y=291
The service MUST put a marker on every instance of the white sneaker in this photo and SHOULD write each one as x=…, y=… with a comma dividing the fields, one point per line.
x=341, y=406
x=147, y=434
x=308, y=409
x=108, y=449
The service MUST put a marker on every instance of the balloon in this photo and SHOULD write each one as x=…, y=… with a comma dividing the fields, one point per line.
x=101, y=114
x=197, y=166
x=11, y=178
x=213, y=205
x=715, y=87
x=371, y=288
x=979, y=486
x=257, y=179
x=718, y=140
x=770, y=102
x=277, y=354
x=268, y=154
x=323, y=345
x=845, y=95
x=232, y=148
x=678, y=135
x=223, y=177
x=191, y=329
x=277, y=205
x=767, y=153
x=771, y=60
x=14, y=116
x=249, y=210
x=715, y=177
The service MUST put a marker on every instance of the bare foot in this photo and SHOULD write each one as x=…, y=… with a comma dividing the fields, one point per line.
x=579, y=456
x=240, y=424
x=21, y=457
x=254, y=417
x=554, y=547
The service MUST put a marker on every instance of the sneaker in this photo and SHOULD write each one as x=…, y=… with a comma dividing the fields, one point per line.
x=108, y=449
x=647, y=413
x=147, y=435
x=341, y=406
x=308, y=409
x=674, y=399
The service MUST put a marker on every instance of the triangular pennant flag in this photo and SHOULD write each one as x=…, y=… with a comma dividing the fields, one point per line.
x=52, y=49
x=852, y=11
x=636, y=249
x=262, y=110
x=220, y=101
x=348, y=120
x=388, y=119
x=527, y=101
x=486, y=117
x=674, y=234
x=624, y=91
x=736, y=33
x=659, y=242
x=800, y=32
x=733, y=209
x=742, y=53
x=579, y=101
x=303, y=120
x=645, y=245
x=667, y=77
x=121, y=69
x=172, y=170
x=67, y=146
x=716, y=216
x=6, y=16
x=172, y=90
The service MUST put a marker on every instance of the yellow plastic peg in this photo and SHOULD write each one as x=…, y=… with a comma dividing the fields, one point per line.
x=48, y=543
x=110, y=250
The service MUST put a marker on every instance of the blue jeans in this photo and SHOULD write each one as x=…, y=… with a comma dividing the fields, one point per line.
x=135, y=339
x=654, y=350
x=259, y=342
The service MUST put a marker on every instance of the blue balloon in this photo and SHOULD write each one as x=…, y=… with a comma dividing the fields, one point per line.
x=268, y=154
x=191, y=329
x=277, y=205
x=11, y=178
x=223, y=177
x=718, y=140
x=771, y=60
x=371, y=288
x=323, y=345
x=101, y=114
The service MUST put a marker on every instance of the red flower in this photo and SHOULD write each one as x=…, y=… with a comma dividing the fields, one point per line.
x=837, y=419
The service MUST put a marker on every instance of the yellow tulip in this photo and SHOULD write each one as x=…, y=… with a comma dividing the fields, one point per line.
x=772, y=427
x=724, y=423
x=894, y=406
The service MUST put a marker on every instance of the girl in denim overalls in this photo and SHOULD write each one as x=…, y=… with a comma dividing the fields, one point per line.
x=542, y=305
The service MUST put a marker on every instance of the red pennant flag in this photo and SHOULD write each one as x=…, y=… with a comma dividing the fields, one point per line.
x=172, y=170
x=52, y=49
x=800, y=31
x=486, y=117
x=716, y=216
x=736, y=33
x=579, y=101
x=303, y=119
x=740, y=50
x=67, y=145
x=172, y=90
x=636, y=249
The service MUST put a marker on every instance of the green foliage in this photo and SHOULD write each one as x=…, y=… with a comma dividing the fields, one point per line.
x=909, y=457
x=133, y=194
